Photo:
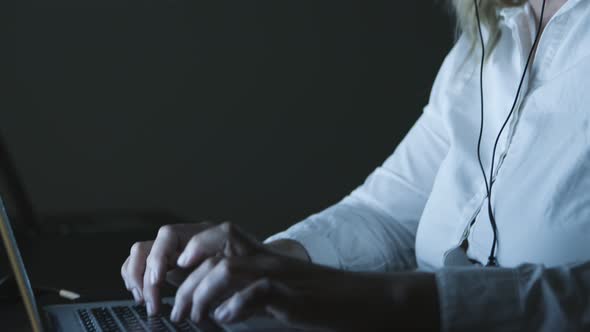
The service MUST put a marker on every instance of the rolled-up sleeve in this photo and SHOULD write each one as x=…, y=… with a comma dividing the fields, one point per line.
x=527, y=298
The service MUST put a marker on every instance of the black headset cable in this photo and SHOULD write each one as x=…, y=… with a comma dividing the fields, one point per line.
x=492, y=261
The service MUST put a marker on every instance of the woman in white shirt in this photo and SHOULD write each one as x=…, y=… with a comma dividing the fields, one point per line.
x=408, y=248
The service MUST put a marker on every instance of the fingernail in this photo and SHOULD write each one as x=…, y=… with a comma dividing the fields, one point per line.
x=175, y=316
x=150, y=308
x=136, y=295
x=182, y=259
x=221, y=313
x=153, y=277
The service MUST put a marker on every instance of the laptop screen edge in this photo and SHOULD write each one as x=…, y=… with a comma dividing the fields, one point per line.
x=18, y=268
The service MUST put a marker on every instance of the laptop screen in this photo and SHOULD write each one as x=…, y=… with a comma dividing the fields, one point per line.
x=18, y=269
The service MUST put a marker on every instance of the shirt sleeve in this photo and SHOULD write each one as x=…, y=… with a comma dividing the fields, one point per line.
x=374, y=228
x=527, y=298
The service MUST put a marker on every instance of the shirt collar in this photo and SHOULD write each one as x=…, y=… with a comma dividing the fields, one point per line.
x=508, y=14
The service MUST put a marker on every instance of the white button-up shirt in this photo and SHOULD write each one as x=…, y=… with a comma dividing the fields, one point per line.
x=414, y=210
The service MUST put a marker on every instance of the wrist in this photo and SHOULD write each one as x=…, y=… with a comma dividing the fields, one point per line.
x=290, y=248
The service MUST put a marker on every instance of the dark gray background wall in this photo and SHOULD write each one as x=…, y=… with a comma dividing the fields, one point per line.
x=260, y=112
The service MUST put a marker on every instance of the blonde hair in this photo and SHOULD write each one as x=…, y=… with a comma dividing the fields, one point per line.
x=488, y=13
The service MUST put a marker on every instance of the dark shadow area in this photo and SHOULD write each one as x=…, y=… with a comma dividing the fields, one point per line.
x=119, y=116
x=257, y=112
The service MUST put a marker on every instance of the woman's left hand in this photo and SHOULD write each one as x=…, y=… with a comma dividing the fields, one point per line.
x=305, y=294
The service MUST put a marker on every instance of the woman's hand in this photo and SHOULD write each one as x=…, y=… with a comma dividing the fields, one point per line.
x=149, y=262
x=236, y=286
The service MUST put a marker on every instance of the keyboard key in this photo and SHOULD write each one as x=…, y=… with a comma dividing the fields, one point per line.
x=140, y=310
x=183, y=326
x=105, y=320
x=86, y=320
x=163, y=322
x=155, y=324
x=206, y=325
x=128, y=319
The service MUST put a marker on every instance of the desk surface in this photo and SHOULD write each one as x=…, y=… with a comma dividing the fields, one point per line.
x=88, y=264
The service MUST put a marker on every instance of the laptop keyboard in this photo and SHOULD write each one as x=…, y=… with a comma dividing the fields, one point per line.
x=134, y=318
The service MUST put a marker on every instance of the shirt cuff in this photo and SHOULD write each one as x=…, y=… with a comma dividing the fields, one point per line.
x=479, y=299
x=319, y=248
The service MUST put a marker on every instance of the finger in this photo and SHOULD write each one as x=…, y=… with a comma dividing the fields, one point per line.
x=151, y=294
x=225, y=238
x=205, y=244
x=264, y=295
x=225, y=277
x=163, y=253
x=124, y=273
x=246, y=302
x=183, y=298
x=136, y=266
x=171, y=239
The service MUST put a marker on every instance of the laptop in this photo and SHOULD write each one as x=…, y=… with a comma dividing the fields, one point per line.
x=109, y=316
x=106, y=316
